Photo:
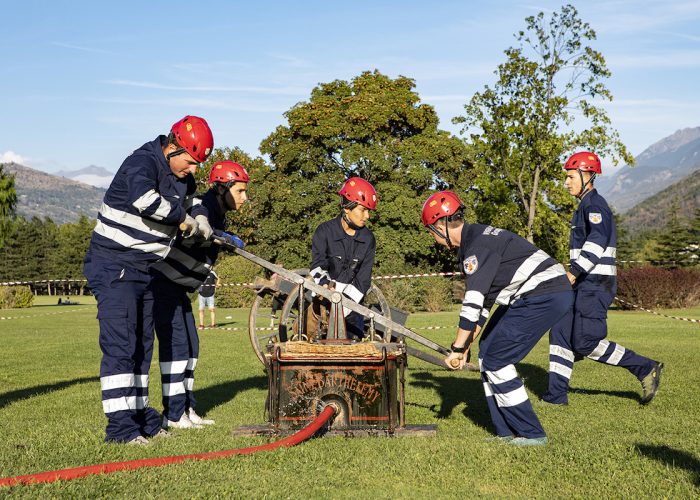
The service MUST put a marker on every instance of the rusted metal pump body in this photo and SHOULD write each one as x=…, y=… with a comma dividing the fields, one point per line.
x=365, y=381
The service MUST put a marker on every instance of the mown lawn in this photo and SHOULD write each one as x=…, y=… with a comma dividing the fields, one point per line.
x=605, y=444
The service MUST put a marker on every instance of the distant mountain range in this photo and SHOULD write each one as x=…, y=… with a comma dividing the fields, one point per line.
x=44, y=195
x=658, y=167
x=93, y=175
x=653, y=213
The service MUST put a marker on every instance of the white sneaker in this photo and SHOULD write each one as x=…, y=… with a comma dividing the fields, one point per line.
x=196, y=419
x=138, y=441
x=162, y=433
x=183, y=423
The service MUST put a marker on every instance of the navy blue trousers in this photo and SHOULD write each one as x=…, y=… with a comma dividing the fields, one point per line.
x=178, y=346
x=354, y=326
x=582, y=333
x=509, y=336
x=125, y=314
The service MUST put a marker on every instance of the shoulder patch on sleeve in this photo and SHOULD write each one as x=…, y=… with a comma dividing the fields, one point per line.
x=595, y=217
x=470, y=264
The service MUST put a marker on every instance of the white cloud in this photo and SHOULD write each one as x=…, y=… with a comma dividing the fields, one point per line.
x=194, y=103
x=641, y=17
x=12, y=157
x=209, y=88
x=462, y=99
x=649, y=61
x=81, y=48
x=291, y=61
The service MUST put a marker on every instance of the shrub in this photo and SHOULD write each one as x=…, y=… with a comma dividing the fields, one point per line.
x=15, y=297
x=655, y=287
x=418, y=294
x=236, y=269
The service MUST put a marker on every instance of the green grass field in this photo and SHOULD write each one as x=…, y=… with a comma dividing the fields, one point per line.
x=604, y=444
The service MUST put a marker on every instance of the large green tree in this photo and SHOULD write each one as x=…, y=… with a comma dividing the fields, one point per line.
x=8, y=202
x=73, y=239
x=374, y=127
x=675, y=240
x=545, y=104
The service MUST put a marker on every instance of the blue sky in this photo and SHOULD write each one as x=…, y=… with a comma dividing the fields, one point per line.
x=88, y=82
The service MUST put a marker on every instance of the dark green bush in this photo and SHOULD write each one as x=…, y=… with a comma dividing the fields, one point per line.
x=15, y=297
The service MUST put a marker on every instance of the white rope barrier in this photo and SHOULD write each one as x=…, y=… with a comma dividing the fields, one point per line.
x=41, y=314
x=690, y=320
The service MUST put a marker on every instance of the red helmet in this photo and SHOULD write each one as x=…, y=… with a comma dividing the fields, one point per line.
x=359, y=191
x=584, y=161
x=439, y=205
x=228, y=171
x=194, y=136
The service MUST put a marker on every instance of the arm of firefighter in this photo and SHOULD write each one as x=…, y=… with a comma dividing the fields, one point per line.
x=362, y=281
x=456, y=360
x=195, y=207
x=600, y=222
x=480, y=267
x=319, y=259
x=145, y=198
x=484, y=316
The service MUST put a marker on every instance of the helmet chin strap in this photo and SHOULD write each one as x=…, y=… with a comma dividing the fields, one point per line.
x=584, y=185
x=222, y=197
x=349, y=205
x=446, y=236
x=350, y=223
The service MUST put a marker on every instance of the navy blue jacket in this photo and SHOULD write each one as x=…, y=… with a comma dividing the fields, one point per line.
x=141, y=210
x=593, y=243
x=346, y=260
x=190, y=260
x=500, y=267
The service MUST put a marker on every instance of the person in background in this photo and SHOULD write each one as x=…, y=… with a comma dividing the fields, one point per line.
x=206, y=293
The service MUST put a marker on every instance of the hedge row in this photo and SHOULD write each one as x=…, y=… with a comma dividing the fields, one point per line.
x=653, y=287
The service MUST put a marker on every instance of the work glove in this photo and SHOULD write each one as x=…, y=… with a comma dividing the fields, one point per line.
x=233, y=240
x=205, y=230
x=191, y=227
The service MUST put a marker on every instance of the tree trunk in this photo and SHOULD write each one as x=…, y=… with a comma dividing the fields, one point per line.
x=533, y=206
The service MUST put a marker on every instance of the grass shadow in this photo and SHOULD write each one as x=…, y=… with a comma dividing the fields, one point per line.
x=214, y=395
x=673, y=458
x=454, y=391
x=618, y=394
x=534, y=377
x=39, y=390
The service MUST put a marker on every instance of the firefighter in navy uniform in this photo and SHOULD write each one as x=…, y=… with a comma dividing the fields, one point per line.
x=583, y=331
x=342, y=254
x=184, y=269
x=532, y=293
x=136, y=225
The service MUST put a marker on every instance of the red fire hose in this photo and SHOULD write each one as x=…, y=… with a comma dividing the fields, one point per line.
x=91, y=470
